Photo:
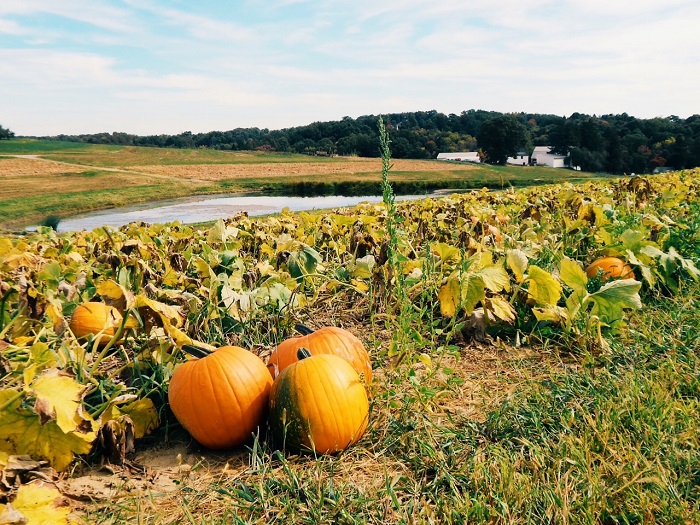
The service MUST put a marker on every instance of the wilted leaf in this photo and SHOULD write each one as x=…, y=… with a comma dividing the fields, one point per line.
x=303, y=262
x=21, y=432
x=502, y=309
x=116, y=295
x=449, y=297
x=36, y=503
x=61, y=396
x=445, y=252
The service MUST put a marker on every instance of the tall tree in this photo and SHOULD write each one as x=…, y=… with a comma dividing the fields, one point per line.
x=6, y=134
x=501, y=137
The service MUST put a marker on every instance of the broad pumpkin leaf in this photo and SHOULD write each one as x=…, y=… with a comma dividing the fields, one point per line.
x=572, y=275
x=116, y=295
x=36, y=503
x=142, y=412
x=58, y=397
x=501, y=308
x=449, y=297
x=303, y=262
x=473, y=292
x=517, y=262
x=614, y=297
x=445, y=252
x=543, y=288
x=23, y=432
x=495, y=278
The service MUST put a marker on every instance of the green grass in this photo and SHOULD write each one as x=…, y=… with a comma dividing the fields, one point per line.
x=609, y=439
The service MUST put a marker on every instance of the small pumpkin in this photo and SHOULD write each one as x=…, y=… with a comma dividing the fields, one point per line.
x=94, y=318
x=318, y=404
x=326, y=340
x=220, y=398
x=611, y=268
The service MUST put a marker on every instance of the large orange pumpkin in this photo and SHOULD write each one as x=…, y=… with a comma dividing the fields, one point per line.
x=318, y=404
x=92, y=318
x=327, y=340
x=610, y=268
x=220, y=398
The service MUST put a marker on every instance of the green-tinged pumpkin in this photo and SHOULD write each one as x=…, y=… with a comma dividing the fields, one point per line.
x=318, y=404
x=221, y=398
x=610, y=268
x=90, y=319
x=326, y=340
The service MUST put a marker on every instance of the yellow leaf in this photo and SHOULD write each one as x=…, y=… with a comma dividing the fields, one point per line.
x=502, y=309
x=543, y=288
x=573, y=275
x=115, y=295
x=449, y=297
x=22, y=432
x=39, y=503
x=59, y=397
x=517, y=262
x=144, y=416
x=426, y=360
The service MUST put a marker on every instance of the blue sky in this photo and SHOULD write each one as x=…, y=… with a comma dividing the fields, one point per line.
x=155, y=66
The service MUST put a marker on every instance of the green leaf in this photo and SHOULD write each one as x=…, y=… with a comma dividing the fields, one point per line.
x=303, y=262
x=543, y=288
x=51, y=274
x=473, y=292
x=614, y=297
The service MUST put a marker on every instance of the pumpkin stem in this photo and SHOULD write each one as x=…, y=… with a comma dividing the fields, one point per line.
x=196, y=351
x=303, y=329
x=303, y=353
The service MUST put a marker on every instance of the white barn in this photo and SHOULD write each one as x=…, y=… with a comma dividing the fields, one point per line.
x=521, y=159
x=541, y=156
x=464, y=156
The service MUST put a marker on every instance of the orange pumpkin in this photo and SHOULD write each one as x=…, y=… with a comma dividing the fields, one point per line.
x=327, y=340
x=220, y=398
x=318, y=404
x=611, y=268
x=90, y=319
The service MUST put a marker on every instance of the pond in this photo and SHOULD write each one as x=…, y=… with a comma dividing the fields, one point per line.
x=203, y=209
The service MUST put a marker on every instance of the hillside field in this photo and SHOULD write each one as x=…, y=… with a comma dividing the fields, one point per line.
x=44, y=178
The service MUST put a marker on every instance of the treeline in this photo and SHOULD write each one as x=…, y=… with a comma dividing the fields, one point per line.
x=608, y=143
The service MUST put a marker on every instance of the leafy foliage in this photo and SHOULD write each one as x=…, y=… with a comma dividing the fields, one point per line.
x=511, y=262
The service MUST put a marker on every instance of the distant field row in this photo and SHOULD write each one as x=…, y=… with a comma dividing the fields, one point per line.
x=65, y=178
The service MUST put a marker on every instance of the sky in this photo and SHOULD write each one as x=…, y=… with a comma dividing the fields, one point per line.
x=164, y=67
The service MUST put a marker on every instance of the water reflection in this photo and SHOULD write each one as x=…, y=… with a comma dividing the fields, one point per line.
x=209, y=209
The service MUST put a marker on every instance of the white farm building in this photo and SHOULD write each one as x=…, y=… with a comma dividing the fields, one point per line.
x=465, y=156
x=541, y=156
x=521, y=159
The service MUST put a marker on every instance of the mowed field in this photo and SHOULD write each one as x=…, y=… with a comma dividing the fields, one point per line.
x=43, y=178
